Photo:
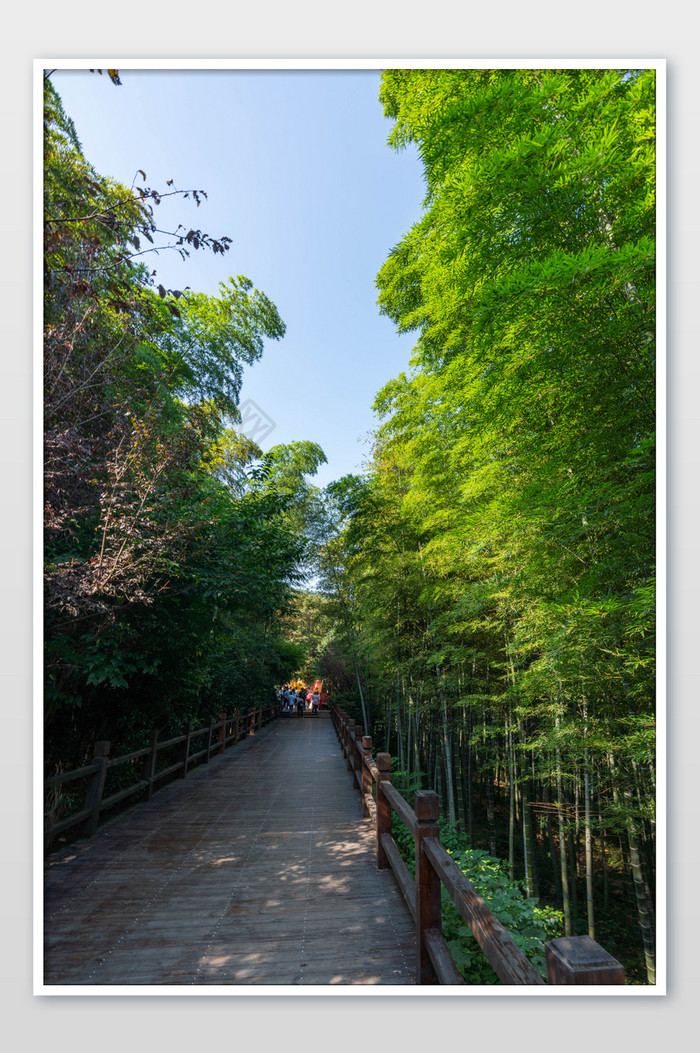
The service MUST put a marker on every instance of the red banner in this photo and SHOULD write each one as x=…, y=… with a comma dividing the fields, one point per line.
x=318, y=684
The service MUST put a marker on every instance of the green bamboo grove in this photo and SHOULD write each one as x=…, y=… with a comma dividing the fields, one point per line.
x=489, y=581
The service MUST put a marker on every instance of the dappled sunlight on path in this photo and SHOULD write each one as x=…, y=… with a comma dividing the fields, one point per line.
x=257, y=869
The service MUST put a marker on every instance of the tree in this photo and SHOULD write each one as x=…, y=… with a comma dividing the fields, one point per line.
x=163, y=549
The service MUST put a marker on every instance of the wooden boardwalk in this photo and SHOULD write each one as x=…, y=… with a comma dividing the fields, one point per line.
x=256, y=869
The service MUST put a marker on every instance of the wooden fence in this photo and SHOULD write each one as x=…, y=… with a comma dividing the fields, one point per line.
x=569, y=959
x=142, y=771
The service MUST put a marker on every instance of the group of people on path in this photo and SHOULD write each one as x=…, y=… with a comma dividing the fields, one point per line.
x=301, y=700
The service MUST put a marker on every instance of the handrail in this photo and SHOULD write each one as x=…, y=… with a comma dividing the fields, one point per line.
x=70, y=776
x=231, y=729
x=569, y=960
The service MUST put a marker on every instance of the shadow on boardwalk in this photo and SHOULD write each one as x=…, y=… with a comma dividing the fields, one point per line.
x=257, y=869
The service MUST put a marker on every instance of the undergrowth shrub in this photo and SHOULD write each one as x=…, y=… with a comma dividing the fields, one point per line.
x=529, y=924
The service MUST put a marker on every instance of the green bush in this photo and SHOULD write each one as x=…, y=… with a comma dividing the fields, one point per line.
x=529, y=924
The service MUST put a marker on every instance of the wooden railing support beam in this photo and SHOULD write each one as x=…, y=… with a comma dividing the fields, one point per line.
x=428, y=902
x=383, y=808
x=366, y=774
x=211, y=725
x=95, y=788
x=149, y=765
x=357, y=753
x=186, y=751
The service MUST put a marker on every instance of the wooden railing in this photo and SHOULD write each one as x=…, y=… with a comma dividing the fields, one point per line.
x=569, y=960
x=217, y=735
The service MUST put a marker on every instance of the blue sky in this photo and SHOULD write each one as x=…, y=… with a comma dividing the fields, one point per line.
x=297, y=172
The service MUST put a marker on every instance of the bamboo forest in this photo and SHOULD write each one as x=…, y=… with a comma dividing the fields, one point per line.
x=481, y=596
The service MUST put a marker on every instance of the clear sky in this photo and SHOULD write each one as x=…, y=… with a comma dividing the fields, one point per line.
x=297, y=172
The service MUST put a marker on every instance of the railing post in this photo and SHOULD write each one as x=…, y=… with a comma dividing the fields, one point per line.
x=235, y=737
x=211, y=724
x=186, y=751
x=348, y=740
x=357, y=751
x=222, y=733
x=428, y=905
x=149, y=766
x=580, y=960
x=366, y=774
x=93, y=793
x=383, y=808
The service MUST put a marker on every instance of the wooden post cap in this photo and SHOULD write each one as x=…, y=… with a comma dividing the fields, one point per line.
x=426, y=805
x=580, y=960
x=384, y=761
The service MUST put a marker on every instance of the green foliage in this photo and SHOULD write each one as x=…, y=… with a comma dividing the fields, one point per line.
x=170, y=558
x=213, y=337
x=530, y=924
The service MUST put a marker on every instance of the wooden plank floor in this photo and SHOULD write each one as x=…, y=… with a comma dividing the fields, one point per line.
x=257, y=869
